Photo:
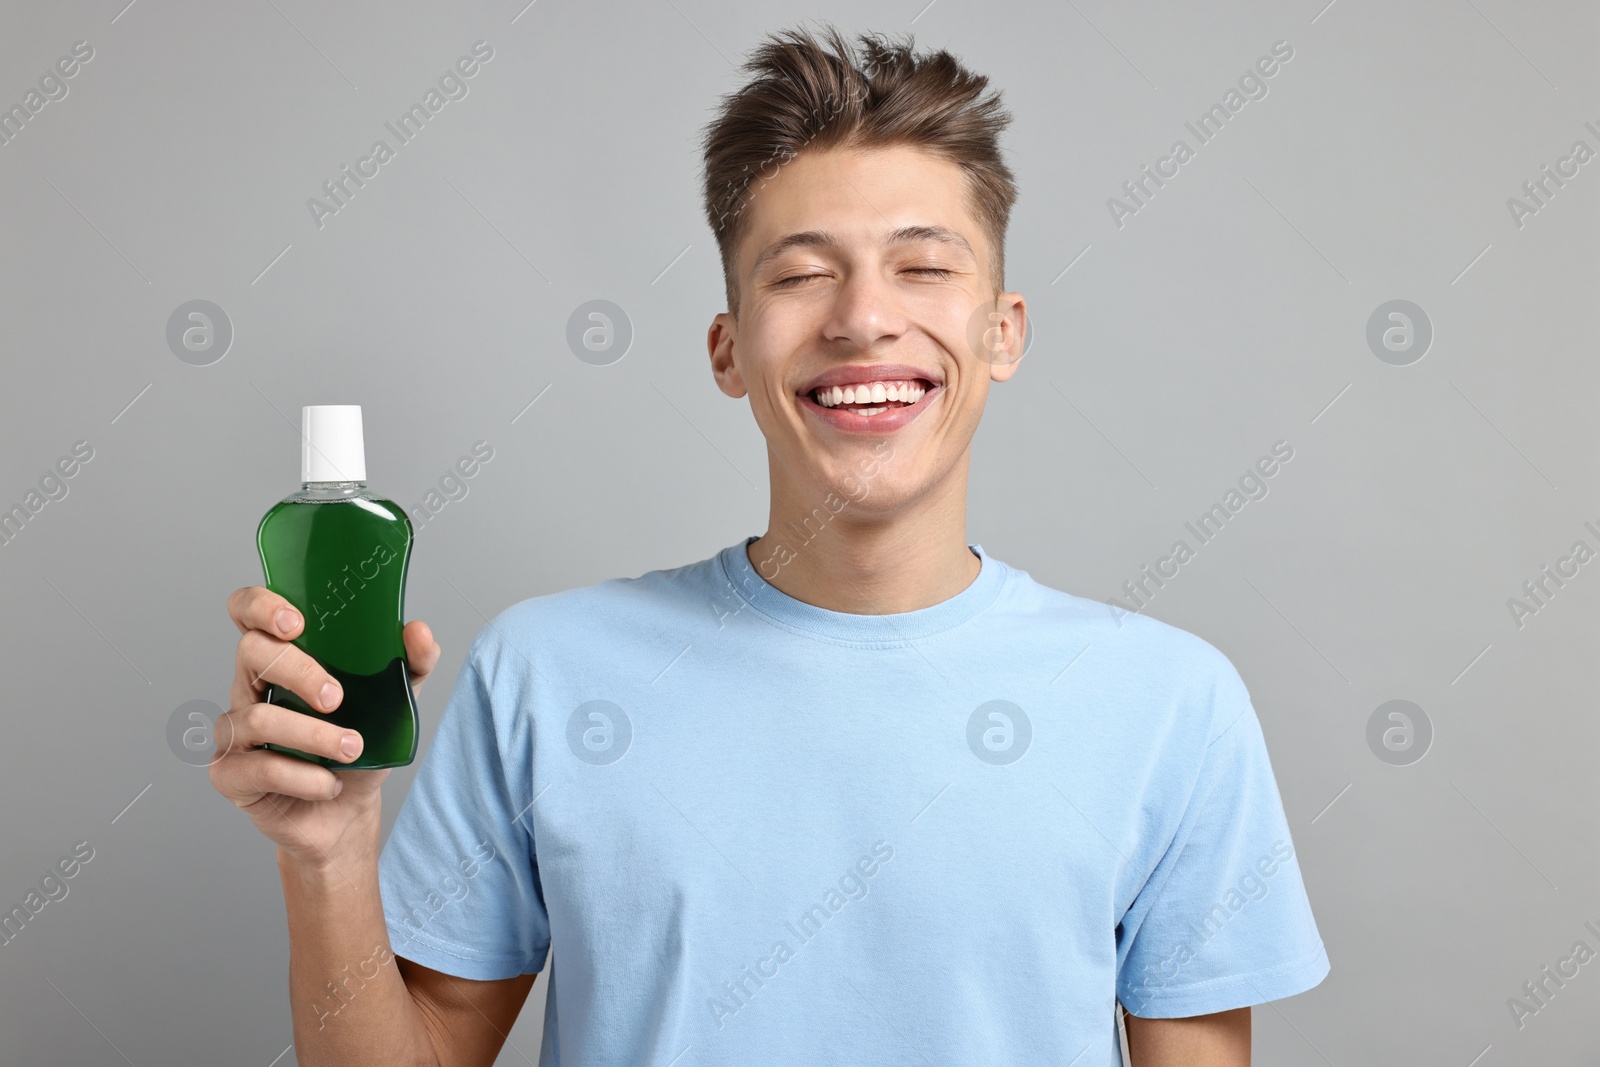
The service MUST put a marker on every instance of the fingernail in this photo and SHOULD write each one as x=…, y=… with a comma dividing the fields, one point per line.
x=330, y=694
x=351, y=745
x=338, y=785
x=287, y=618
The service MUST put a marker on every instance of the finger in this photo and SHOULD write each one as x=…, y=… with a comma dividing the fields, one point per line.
x=250, y=726
x=248, y=684
x=250, y=687
x=242, y=692
x=422, y=651
x=255, y=607
x=246, y=777
x=267, y=659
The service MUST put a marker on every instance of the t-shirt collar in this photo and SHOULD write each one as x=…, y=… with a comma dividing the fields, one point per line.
x=883, y=630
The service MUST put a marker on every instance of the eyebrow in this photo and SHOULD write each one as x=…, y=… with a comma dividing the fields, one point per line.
x=824, y=239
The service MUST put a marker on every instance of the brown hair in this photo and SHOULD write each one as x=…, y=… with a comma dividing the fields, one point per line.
x=806, y=93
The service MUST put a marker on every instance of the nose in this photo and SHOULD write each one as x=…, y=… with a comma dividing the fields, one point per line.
x=866, y=311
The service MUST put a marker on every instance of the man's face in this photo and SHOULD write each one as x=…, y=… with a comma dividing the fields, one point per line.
x=863, y=266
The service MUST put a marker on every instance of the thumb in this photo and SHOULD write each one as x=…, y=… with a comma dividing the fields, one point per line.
x=422, y=651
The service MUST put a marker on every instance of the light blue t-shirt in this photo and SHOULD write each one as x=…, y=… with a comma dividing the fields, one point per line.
x=756, y=831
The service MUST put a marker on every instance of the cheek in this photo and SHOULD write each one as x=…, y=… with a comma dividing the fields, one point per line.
x=942, y=313
x=963, y=400
x=763, y=373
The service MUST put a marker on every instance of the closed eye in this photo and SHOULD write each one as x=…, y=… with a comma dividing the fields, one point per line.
x=938, y=273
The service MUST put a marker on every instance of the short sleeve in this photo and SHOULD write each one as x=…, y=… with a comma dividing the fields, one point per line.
x=1223, y=921
x=458, y=874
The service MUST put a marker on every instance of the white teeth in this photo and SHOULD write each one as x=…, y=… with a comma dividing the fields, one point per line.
x=905, y=392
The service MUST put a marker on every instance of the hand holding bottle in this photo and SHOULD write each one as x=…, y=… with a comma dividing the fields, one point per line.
x=304, y=807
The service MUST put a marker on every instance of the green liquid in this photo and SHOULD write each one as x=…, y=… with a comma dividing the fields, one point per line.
x=342, y=563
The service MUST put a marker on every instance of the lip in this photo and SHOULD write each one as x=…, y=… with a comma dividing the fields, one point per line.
x=887, y=422
x=871, y=372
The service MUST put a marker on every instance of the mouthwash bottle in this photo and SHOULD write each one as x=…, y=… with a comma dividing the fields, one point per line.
x=339, y=554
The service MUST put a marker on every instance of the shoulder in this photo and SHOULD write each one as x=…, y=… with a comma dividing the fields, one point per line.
x=1137, y=653
x=574, y=624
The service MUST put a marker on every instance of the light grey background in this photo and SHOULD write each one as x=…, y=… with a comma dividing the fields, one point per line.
x=1228, y=314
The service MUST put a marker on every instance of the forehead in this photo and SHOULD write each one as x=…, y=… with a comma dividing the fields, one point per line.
x=860, y=196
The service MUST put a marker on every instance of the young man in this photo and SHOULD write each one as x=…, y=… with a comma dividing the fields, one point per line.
x=852, y=791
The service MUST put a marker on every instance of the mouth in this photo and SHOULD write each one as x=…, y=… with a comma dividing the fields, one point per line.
x=878, y=406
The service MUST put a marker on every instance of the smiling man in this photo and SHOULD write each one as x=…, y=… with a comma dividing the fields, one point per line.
x=852, y=791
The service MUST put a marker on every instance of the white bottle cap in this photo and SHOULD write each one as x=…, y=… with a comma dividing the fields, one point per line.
x=331, y=446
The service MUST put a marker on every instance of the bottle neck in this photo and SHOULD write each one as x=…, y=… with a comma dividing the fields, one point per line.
x=332, y=490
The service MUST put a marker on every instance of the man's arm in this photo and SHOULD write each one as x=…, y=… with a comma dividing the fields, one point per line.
x=469, y=1020
x=1221, y=1039
x=353, y=1001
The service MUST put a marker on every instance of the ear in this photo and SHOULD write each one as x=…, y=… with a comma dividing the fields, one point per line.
x=1013, y=325
x=720, y=340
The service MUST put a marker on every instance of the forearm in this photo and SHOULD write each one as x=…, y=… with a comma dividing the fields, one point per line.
x=350, y=1006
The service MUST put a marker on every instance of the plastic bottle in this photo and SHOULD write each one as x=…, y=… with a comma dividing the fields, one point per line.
x=339, y=554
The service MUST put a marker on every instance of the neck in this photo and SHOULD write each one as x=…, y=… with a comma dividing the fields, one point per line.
x=867, y=564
